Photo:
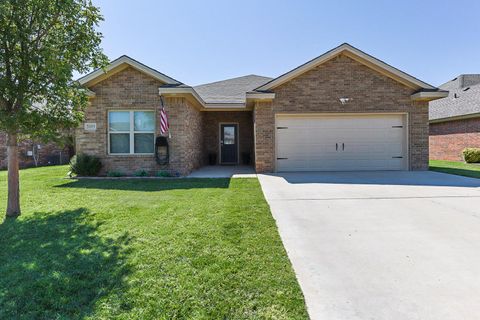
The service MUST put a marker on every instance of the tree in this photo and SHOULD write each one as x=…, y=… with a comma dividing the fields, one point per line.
x=42, y=43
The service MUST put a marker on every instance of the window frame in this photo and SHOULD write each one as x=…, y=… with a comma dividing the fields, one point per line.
x=131, y=132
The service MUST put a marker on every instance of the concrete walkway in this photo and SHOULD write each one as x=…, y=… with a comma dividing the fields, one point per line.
x=224, y=172
x=381, y=245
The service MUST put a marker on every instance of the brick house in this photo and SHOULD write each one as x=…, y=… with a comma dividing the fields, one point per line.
x=344, y=110
x=47, y=153
x=455, y=120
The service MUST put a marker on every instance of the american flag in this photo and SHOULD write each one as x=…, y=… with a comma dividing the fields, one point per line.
x=163, y=119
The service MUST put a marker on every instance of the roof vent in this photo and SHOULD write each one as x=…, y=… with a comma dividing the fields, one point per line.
x=455, y=95
x=466, y=89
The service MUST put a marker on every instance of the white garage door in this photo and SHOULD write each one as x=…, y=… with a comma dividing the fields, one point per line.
x=341, y=143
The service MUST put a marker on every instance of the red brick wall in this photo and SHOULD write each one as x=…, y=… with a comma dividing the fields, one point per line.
x=186, y=143
x=132, y=90
x=448, y=139
x=319, y=90
x=211, y=130
x=126, y=90
x=48, y=154
x=264, y=131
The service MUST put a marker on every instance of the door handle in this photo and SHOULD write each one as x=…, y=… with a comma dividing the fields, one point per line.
x=336, y=146
x=343, y=146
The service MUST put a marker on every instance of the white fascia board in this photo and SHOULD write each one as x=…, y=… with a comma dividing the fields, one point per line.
x=89, y=93
x=225, y=106
x=429, y=95
x=133, y=63
x=180, y=91
x=336, y=51
x=260, y=95
x=454, y=118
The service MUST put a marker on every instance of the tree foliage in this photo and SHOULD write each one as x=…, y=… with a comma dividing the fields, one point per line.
x=42, y=43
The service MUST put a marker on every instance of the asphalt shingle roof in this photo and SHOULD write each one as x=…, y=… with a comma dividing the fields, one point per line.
x=230, y=90
x=463, y=98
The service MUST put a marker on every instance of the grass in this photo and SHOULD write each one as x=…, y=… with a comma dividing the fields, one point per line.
x=143, y=249
x=456, y=167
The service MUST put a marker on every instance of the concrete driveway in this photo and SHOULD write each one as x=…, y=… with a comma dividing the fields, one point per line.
x=381, y=245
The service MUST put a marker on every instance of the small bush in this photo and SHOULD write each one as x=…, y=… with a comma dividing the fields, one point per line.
x=114, y=174
x=141, y=173
x=471, y=155
x=163, y=174
x=85, y=165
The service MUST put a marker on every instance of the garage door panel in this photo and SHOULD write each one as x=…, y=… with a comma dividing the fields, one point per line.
x=324, y=155
x=384, y=149
x=312, y=153
x=326, y=143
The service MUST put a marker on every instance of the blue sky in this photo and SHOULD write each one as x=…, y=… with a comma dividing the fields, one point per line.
x=203, y=41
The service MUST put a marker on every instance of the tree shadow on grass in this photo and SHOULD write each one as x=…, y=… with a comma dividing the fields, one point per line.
x=56, y=266
x=148, y=184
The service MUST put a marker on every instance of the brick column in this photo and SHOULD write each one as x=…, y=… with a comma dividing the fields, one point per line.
x=264, y=134
x=418, y=128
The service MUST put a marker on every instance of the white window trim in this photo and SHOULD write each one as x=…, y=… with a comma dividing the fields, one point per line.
x=131, y=133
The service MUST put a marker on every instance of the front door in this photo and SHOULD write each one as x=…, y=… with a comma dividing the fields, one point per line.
x=228, y=143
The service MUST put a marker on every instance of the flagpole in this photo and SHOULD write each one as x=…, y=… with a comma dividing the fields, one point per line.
x=163, y=109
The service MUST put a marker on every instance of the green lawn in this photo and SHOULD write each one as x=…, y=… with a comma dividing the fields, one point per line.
x=456, y=167
x=143, y=249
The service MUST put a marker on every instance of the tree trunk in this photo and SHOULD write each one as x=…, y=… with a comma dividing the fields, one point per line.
x=13, y=206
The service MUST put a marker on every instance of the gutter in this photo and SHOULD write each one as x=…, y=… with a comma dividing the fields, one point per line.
x=453, y=118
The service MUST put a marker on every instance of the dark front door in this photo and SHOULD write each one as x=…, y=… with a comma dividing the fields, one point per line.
x=229, y=143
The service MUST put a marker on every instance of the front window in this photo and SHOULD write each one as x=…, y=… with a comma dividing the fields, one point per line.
x=131, y=132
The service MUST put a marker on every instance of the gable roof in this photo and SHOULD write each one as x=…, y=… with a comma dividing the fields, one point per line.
x=228, y=94
x=463, y=100
x=120, y=64
x=357, y=55
x=230, y=90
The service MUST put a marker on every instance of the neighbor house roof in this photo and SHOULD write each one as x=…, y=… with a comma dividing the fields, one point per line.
x=120, y=64
x=424, y=90
x=231, y=90
x=463, y=100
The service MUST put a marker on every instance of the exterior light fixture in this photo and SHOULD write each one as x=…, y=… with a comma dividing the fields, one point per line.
x=344, y=100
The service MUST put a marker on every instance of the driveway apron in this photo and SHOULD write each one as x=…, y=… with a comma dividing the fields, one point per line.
x=381, y=245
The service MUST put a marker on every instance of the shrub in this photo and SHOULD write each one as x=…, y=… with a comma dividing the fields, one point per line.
x=163, y=174
x=85, y=165
x=471, y=155
x=141, y=173
x=114, y=174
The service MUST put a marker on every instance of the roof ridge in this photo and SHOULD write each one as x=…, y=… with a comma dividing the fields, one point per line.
x=234, y=78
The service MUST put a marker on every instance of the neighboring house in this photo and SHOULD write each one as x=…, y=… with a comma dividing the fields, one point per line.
x=33, y=154
x=455, y=120
x=344, y=110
